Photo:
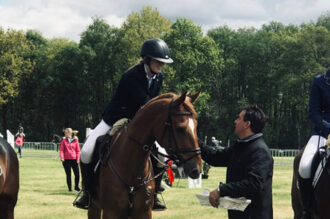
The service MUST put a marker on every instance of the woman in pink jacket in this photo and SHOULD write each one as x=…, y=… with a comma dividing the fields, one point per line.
x=70, y=157
x=19, y=142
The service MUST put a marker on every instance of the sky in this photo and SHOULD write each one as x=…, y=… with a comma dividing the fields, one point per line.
x=69, y=18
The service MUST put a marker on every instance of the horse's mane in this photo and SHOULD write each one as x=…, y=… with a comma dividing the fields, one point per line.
x=186, y=104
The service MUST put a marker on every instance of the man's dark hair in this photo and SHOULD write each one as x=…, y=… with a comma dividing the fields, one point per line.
x=256, y=116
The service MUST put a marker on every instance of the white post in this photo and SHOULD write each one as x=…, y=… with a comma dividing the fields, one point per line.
x=195, y=183
x=10, y=139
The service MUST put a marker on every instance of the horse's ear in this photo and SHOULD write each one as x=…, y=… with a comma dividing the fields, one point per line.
x=194, y=97
x=180, y=99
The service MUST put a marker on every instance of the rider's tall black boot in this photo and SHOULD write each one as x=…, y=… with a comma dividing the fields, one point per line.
x=158, y=206
x=306, y=193
x=87, y=173
x=158, y=181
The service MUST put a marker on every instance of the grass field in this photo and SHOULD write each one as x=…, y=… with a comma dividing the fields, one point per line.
x=43, y=193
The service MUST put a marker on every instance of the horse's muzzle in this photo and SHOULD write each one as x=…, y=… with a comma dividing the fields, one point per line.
x=192, y=169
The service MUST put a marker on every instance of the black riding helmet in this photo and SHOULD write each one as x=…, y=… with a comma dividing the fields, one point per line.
x=156, y=49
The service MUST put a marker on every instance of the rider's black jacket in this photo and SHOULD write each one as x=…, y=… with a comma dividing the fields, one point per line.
x=319, y=104
x=249, y=174
x=132, y=93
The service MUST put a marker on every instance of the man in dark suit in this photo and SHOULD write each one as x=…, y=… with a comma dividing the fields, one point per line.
x=249, y=167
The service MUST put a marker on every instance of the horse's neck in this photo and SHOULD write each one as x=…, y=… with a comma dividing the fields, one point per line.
x=129, y=157
x=133, y=157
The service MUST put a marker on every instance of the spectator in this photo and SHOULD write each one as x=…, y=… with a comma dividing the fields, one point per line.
x=70, y=157
x=19, y=143
x=215, y=142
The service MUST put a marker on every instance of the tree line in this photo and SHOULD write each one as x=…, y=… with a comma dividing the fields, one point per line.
x=48, y=84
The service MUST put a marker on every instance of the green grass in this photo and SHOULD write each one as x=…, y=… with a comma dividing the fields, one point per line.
x=43, y=193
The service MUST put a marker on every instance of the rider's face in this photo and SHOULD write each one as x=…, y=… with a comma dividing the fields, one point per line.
x=156, y=66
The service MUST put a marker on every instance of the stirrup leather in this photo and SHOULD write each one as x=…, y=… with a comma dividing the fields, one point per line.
x=79, y=196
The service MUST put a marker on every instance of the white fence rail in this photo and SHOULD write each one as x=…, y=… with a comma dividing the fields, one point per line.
x=42, y=146
x=56, y=146
x=284, y=152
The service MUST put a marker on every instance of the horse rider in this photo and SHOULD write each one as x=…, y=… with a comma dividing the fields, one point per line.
x=319, y=113
x=137, y=86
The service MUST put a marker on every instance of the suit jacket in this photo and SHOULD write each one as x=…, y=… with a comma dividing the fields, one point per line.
x=132, y=93
x=249, y=174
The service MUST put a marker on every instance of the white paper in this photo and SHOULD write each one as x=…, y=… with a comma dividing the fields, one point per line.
x=226, y=202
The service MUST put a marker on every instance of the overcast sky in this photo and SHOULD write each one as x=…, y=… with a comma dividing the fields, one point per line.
x=68, y=18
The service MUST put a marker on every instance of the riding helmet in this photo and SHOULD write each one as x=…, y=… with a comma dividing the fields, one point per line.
x=156, y=49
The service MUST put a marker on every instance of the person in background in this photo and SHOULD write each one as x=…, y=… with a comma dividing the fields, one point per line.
x=70, y=157
x=319, y=113
x=249, y=167
x=215, y=142
x=19, y=143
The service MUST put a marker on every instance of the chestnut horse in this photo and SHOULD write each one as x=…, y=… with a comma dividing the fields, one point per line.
x=126, y=181
x=321, y=205
x=9, y=180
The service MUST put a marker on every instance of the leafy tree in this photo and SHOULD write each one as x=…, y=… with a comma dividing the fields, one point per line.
x=197, y=66
x=137, y=28
x=98, y=47
x=14, y=64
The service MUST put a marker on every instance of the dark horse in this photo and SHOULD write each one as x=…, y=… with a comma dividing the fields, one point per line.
x=9, y=180
x=126, y=184
x=321, y=205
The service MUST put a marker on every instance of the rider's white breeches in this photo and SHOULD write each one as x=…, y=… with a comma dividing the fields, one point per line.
x=305, y=166
x=160, y=157
x=87, y=150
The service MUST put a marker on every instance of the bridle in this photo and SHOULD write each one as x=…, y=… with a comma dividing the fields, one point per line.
x=174, y=152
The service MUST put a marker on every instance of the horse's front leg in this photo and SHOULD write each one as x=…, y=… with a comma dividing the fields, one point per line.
x=94, y=212
x=143, y=202
x=6, y=212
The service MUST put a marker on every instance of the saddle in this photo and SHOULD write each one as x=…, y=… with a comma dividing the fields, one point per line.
x=105, y=142
x=320, y=162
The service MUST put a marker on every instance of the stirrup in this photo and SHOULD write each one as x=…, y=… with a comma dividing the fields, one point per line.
x=79, y=196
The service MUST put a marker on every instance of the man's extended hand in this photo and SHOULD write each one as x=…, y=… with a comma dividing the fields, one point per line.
x=214, y=198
